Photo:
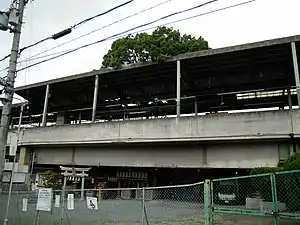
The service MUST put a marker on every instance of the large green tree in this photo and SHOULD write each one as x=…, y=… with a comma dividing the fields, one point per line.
x=163, y=43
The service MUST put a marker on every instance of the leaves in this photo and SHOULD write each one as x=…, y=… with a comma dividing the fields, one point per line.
x=52, y=180
x=293, y=162
x=162, y=44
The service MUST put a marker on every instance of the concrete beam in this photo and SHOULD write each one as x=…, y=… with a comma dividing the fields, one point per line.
x=221, y=127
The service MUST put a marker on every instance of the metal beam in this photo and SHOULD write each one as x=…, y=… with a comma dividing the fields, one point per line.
x=178, y=91
x=296, y=70
x=44, y=119
x=96, y=88
x=196, y=106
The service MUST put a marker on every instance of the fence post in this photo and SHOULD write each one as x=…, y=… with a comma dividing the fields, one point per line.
x=99, y=197
x=207, y=202
x=143, y=206
x=274, y=198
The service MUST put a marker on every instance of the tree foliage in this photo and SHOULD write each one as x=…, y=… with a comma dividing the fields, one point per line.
x=52, y=180
x=291, y=163
x=162, y=44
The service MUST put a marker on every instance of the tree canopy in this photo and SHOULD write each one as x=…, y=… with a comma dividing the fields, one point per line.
x=52, y=180
x=163, y=43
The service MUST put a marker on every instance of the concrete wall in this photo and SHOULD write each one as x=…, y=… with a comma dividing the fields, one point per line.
x=254, y=125
x=236, y=155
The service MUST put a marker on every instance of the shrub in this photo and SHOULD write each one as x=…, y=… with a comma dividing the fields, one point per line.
x=292, y=162
x=52, y=180
x=262, y=170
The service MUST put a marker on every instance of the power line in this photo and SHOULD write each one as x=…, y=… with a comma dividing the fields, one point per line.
x=100, y=14
x=69, y=30
x=124, y=33
x=101, y=28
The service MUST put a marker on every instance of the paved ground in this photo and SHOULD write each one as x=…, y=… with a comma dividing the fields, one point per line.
x=125, y=212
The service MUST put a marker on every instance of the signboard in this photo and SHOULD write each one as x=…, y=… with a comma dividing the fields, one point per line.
x=57, y=201
x=17, y=178
x=70, y=202
x=25, y=204
x=92, y=203
x=44, y=201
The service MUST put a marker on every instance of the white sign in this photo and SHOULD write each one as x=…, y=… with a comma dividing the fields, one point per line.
x=92, y=203
x=44, y=201
x=70, y=203
x=24, y=207
x=57, y=201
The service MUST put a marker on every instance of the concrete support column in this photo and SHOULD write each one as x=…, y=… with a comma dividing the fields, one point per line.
x=178, y=91
x=44, y=119
x=96, y=88
x=24, y=156
x=82, y=188
x=296, y=70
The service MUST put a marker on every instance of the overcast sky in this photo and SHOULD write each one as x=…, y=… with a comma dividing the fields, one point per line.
x=260, y=20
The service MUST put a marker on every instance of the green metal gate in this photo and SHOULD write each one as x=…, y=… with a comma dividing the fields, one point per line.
x=272, y=198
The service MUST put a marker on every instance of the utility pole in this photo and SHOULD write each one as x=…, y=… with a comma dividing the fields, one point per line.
x=9, y=89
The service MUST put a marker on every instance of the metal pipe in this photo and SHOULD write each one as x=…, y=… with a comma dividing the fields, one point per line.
x=79, y=118
x=13, y=167
x=96, y=88
x=63, y=192
x=196, y=107
x=44, y=119
x=178, y=91
x=296, y=70
x=143, y=206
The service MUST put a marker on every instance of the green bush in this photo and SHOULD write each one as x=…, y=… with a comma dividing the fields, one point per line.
x=262, y=170
x=52, y=180
x=292, y=162
x=287, y=185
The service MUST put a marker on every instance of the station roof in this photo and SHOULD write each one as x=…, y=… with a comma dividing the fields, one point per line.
x=214, y=76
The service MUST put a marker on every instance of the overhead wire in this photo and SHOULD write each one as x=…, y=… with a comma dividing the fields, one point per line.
x=100, y=14
x=68, y=30
x=125, y=33
x=101, y=28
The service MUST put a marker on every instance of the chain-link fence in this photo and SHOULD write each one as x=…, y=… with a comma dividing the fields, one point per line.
x=258, y=199
x=174, y=205
x=160, y=205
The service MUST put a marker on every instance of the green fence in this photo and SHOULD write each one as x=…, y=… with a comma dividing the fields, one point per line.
x=264, y=199
x=257, y=199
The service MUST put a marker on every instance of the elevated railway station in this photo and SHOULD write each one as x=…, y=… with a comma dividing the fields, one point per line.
x=174, y=119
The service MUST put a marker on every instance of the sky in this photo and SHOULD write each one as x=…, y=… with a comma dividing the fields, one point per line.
x=256, y=21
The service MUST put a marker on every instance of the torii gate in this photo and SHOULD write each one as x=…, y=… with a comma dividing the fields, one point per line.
x=75, y=172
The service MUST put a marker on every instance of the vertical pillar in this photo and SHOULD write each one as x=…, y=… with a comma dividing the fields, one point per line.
x=178, y=91
x=96, y=88
x=23, y=158
x=196, y=107
x=79, y=118
x=292, y=147
x=82, y=187
x=296, y=70
x=119, y=188
x=290, y=109
x=44, y=119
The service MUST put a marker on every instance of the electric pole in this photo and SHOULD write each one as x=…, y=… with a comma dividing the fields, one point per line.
x=9, y=89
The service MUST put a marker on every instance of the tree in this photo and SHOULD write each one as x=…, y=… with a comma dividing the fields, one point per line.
x=162, y=44
x=52, y=180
